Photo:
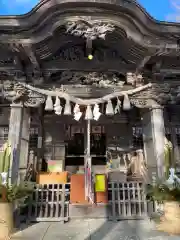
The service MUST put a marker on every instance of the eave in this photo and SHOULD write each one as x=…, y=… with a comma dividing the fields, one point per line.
x=43, y=14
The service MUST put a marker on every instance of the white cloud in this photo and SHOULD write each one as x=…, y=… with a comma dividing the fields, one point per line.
x=14, y=2
x=23, y=1
x=19, y=2
x=13, y=7
x=175, y=13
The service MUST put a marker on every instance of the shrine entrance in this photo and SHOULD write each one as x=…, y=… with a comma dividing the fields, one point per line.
x=77, y=142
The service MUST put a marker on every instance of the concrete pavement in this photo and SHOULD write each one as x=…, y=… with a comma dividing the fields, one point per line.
x=93, y=229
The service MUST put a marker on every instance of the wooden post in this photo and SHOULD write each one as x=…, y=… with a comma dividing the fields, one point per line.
x=87, y=162
x=88, y=138
x=89, y=192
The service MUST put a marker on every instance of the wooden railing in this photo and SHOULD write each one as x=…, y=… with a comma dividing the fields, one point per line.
x=128, y=201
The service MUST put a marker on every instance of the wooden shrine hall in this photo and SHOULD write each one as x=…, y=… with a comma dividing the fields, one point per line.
x=89, y=88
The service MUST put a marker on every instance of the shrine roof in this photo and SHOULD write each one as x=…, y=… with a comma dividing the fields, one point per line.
x=45, y=9
x=40, y=45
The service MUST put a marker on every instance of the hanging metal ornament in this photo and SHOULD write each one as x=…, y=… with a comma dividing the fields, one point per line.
x=77, y=112
x=126, y=103
x=57, y=106
x=67, y=108
x=109, y=108
x=89, y=114
x=49, y=104
x=96, y=112
x=118, y=107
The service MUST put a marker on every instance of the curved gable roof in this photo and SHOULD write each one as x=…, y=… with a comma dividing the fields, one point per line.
x=46, y=7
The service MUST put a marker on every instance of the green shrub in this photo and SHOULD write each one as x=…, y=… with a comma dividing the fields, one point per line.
x=162, y=192
x=10, y=193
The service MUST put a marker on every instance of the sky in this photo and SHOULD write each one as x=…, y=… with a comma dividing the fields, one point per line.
x=163, y=10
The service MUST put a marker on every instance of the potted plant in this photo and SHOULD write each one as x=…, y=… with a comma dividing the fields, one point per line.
x=9, y=195
x=169, y=195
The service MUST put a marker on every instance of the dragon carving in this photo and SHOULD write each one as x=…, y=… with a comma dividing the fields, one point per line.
x=89, y=29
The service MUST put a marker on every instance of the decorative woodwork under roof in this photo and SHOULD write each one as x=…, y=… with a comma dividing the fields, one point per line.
x=99, y=79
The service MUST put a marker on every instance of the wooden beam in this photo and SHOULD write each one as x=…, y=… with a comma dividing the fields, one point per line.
x=142, y=64
x=31, y=55
x=169, y=71
x=88, y=65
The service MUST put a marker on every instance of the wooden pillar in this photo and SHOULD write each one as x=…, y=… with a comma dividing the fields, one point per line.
x=88, y=164
x=19, y=140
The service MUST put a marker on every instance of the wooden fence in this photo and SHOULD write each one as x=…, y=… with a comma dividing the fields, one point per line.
x=49, y=202
x=125, y=201
x=128, y=201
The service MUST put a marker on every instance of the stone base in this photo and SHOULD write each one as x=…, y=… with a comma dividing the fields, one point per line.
x=169, y=227
x=6, y=220
x=170, y=221
x=88, y=211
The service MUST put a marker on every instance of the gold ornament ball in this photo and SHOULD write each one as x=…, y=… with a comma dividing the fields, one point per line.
x=90, y=57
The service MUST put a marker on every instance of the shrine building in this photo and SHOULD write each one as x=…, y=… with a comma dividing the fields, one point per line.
x=89, y=85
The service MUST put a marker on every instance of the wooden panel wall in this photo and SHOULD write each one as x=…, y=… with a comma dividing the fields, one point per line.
x=54, y=138
x=4, y=123
x=119, y=135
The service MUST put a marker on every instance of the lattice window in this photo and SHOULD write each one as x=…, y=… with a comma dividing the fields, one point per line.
x=4, y=130
x=33, y=138
x=75, y=143
x=48, y=146
x=54, y=152
x=137, y=137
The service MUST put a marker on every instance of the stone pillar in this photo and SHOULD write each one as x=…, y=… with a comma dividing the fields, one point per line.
x=158, y=130
x=19, y=140
x=24, y=143
x=153, y=137
x=175, y=160
x=40, y=153
x=148, y=144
